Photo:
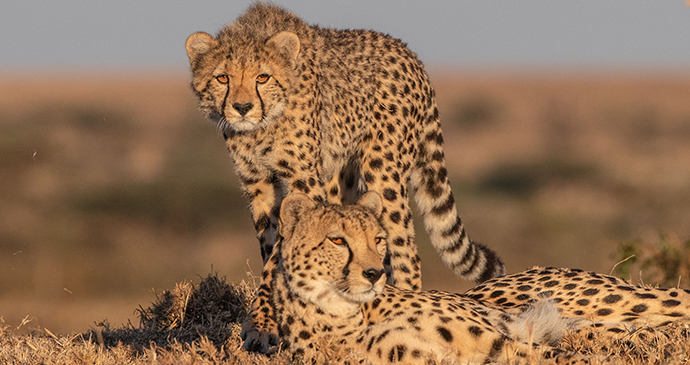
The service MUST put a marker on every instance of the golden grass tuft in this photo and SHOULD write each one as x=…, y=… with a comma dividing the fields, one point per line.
x=210, y=311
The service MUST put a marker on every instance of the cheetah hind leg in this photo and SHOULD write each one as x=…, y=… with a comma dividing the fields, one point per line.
x=347, y=186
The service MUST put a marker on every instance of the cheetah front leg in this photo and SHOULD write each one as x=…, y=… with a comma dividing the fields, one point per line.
x=265, y=196
x=259, y=330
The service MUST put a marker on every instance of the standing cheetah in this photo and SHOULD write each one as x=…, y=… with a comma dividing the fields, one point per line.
x=331, y=114
x=329, y=291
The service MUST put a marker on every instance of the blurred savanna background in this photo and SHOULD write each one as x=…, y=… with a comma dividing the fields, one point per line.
x=563, y=150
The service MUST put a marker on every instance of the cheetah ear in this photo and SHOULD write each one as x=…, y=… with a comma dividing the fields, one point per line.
x=291, y=210
x=287, y=43
x=372, y=201
x=199, y=43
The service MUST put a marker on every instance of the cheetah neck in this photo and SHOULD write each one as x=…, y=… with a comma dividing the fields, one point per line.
x=327, y=299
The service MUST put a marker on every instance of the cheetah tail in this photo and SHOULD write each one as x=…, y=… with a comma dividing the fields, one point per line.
x=470, y=260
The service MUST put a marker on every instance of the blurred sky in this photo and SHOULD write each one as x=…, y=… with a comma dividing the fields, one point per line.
x=43, y=34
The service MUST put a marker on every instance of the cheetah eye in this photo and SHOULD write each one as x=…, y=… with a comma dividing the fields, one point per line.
x=378, y=240
x=262, y=79
x=338, y=241
x=223, y=79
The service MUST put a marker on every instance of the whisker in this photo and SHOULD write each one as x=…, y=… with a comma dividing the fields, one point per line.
x=223, y=124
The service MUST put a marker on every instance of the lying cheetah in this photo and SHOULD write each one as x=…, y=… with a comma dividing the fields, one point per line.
x=332, y=113
x=329, y=290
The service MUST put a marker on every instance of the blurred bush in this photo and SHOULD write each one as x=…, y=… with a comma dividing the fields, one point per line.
x=523, y=180
x=475, y=112
x=664, y=262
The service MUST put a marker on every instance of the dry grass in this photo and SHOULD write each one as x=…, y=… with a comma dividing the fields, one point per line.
x=666, y=345
x=199, y=324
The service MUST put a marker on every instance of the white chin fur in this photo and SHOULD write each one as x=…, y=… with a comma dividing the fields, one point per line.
x=363, y=297
x=334, y=301
x=243, y=125
x=240, y=125
x=331, y=301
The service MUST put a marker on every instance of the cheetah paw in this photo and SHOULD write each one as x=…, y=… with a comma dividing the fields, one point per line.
x=257, y=340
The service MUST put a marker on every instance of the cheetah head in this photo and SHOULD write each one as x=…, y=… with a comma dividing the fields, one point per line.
x=333, y=255
x=242, y=82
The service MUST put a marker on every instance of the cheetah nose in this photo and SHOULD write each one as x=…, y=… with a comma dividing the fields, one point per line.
x=243, y=108
x=372, y=274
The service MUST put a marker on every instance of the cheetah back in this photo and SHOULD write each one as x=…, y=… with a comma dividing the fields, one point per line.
x=578, y=293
